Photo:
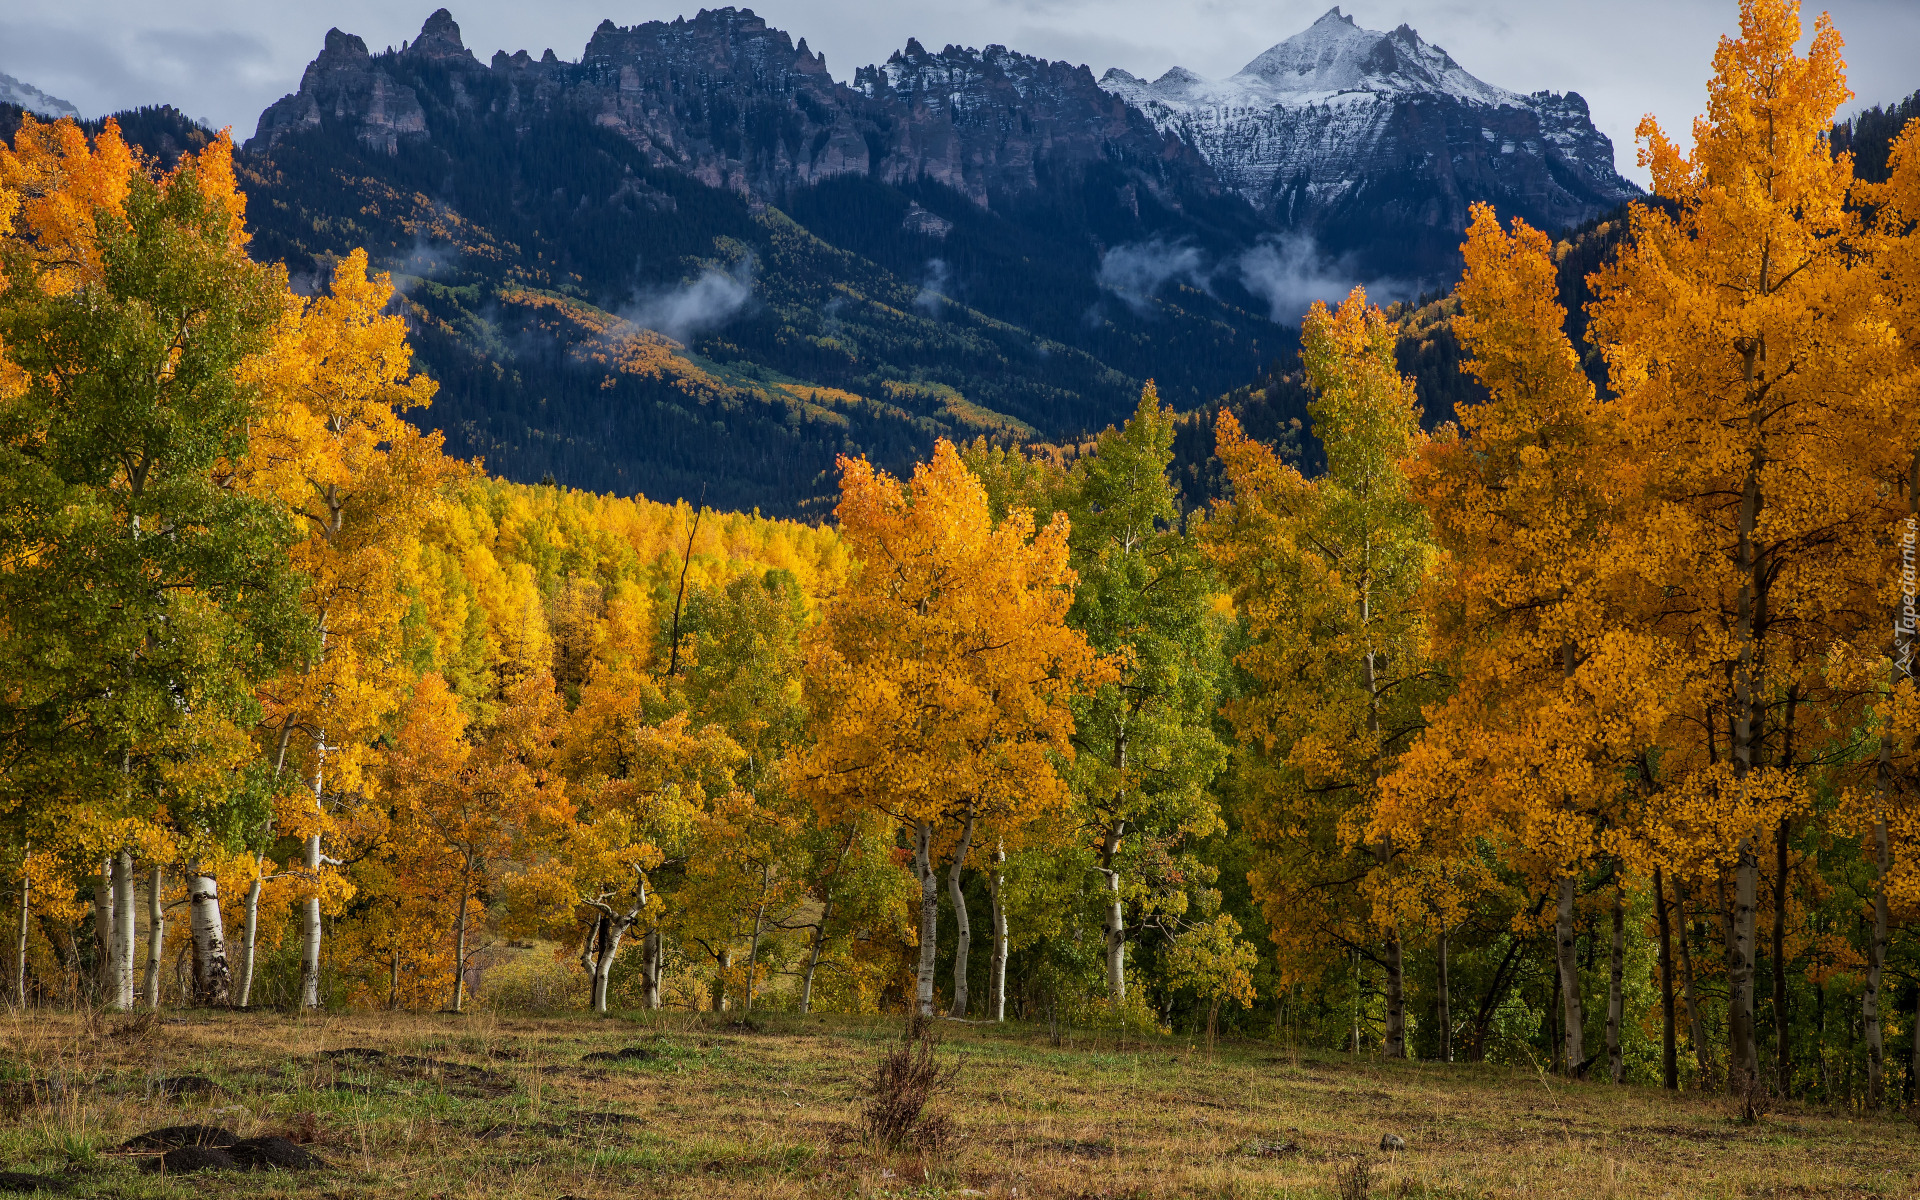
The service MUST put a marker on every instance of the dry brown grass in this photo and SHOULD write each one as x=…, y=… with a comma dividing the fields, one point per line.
x=502, y=1107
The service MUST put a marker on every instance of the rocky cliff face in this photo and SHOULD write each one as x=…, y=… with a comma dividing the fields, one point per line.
x=738, y=105
x=1379, y=142
x=24, y=95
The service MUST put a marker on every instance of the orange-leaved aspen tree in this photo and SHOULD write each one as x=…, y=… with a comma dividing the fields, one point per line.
x=1325, y=574
x=462, y=798
x=1533, y=744
x=1734, y=326
x=1888, y=814
x=361, y=482
x=940, y=675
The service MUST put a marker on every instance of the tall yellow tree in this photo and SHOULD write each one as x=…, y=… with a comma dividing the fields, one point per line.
x=1325, y=574
x=940, y=676
x=1735, y=324
x=361, y=481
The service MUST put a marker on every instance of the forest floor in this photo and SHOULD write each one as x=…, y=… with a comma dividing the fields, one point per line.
x=472, y=1106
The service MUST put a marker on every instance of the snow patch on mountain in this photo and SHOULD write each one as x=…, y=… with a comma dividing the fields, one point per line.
x=35, y=101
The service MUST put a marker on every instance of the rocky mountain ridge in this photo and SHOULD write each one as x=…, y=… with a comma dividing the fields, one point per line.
x=1379, y=143
x=24, y=95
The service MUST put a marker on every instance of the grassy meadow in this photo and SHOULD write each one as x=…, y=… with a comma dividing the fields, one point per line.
x=705, y=1105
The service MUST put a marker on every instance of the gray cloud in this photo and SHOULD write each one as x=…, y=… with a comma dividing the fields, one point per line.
x=696, y=307
x=1290, y=273
x=933, y=296
x=1134, y=272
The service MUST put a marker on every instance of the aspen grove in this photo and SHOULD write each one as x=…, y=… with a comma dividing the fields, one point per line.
x=1581, y=729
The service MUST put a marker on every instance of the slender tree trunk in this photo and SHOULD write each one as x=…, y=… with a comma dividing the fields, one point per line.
x=310, y=917
x=1116, y=915
x=593, y=956
x=156, y=934
x=1870, y=997
x=717, y=991
x=1616, y=996
x=1696, y=1026
x=20, y=944
x=997, y=967
x=1565, y=946
x=963, y=930
x=929, y=916
x=1669, y=1061
x=460, y=953
x=651, y=951
x=393, y=978
x=212, y=978
x=1396, y=1040
x=123, y=930
x=1445, y=1013
x=103, y=913
x=1782, y=1045
x=1557, y=1059
x=250, y=935
x=1743, y=1045
x=813, y=956
x=753, y=945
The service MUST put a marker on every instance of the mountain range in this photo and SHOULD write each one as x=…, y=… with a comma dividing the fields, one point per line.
x=692, y=262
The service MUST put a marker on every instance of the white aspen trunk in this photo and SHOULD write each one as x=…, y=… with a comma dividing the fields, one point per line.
x=1871, y=995
x=20, y=945
x=393, y=977
x=592, y=952
x=460, y=953
x=1396, y=1039
x=1564, y=948
x=1616, y=998
x=717, y=993
x=103, y=912
x=651, y=951
x=124, y=907
x=212, y=978
x=615, y=931
x=753, y=944
x=250, y=936
x=963, y=930
x=156, y=934
x=1740, y=1031
x=997, y=972
x=929, y=915
x=310, y=929
x=1445, y=1013
x=813, y=956
x=1116, y=914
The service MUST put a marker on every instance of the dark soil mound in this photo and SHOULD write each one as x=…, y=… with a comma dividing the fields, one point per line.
x=460, y=1079
x=177, y=1086
x=629, y=1054
x=21, y=1182
x=180, y=1135
x=184, y=1160
x=272, y=1153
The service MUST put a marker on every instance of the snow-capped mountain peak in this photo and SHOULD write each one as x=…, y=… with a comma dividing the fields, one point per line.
x=1339, y=128
x=35, y=101
x=1335, y=55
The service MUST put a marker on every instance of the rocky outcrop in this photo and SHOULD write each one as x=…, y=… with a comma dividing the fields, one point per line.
x=24, y=95
x=736, y=104
x=1380, y=142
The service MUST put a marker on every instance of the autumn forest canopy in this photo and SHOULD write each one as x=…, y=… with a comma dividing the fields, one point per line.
x=1582, y=730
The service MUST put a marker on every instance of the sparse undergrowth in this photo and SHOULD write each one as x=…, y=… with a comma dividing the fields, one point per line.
x=680, y=1105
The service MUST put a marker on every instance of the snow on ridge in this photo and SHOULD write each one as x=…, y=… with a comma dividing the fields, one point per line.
x=1333, y=60
x=35, y=101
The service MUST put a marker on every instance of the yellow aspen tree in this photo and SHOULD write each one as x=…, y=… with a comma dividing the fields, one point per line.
x=1732, y=327
x=940, y=675
x=1325, y=574
x=1550, y=706
x=360, y=481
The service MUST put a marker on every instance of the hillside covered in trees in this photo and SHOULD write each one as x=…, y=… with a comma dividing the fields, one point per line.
x=1580, y=730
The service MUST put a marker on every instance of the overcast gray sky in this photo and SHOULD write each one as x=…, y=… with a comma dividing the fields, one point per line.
x=225, y=60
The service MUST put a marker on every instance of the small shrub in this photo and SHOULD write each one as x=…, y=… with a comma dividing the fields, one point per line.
x=1353, y=1179
x=904, y=1081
